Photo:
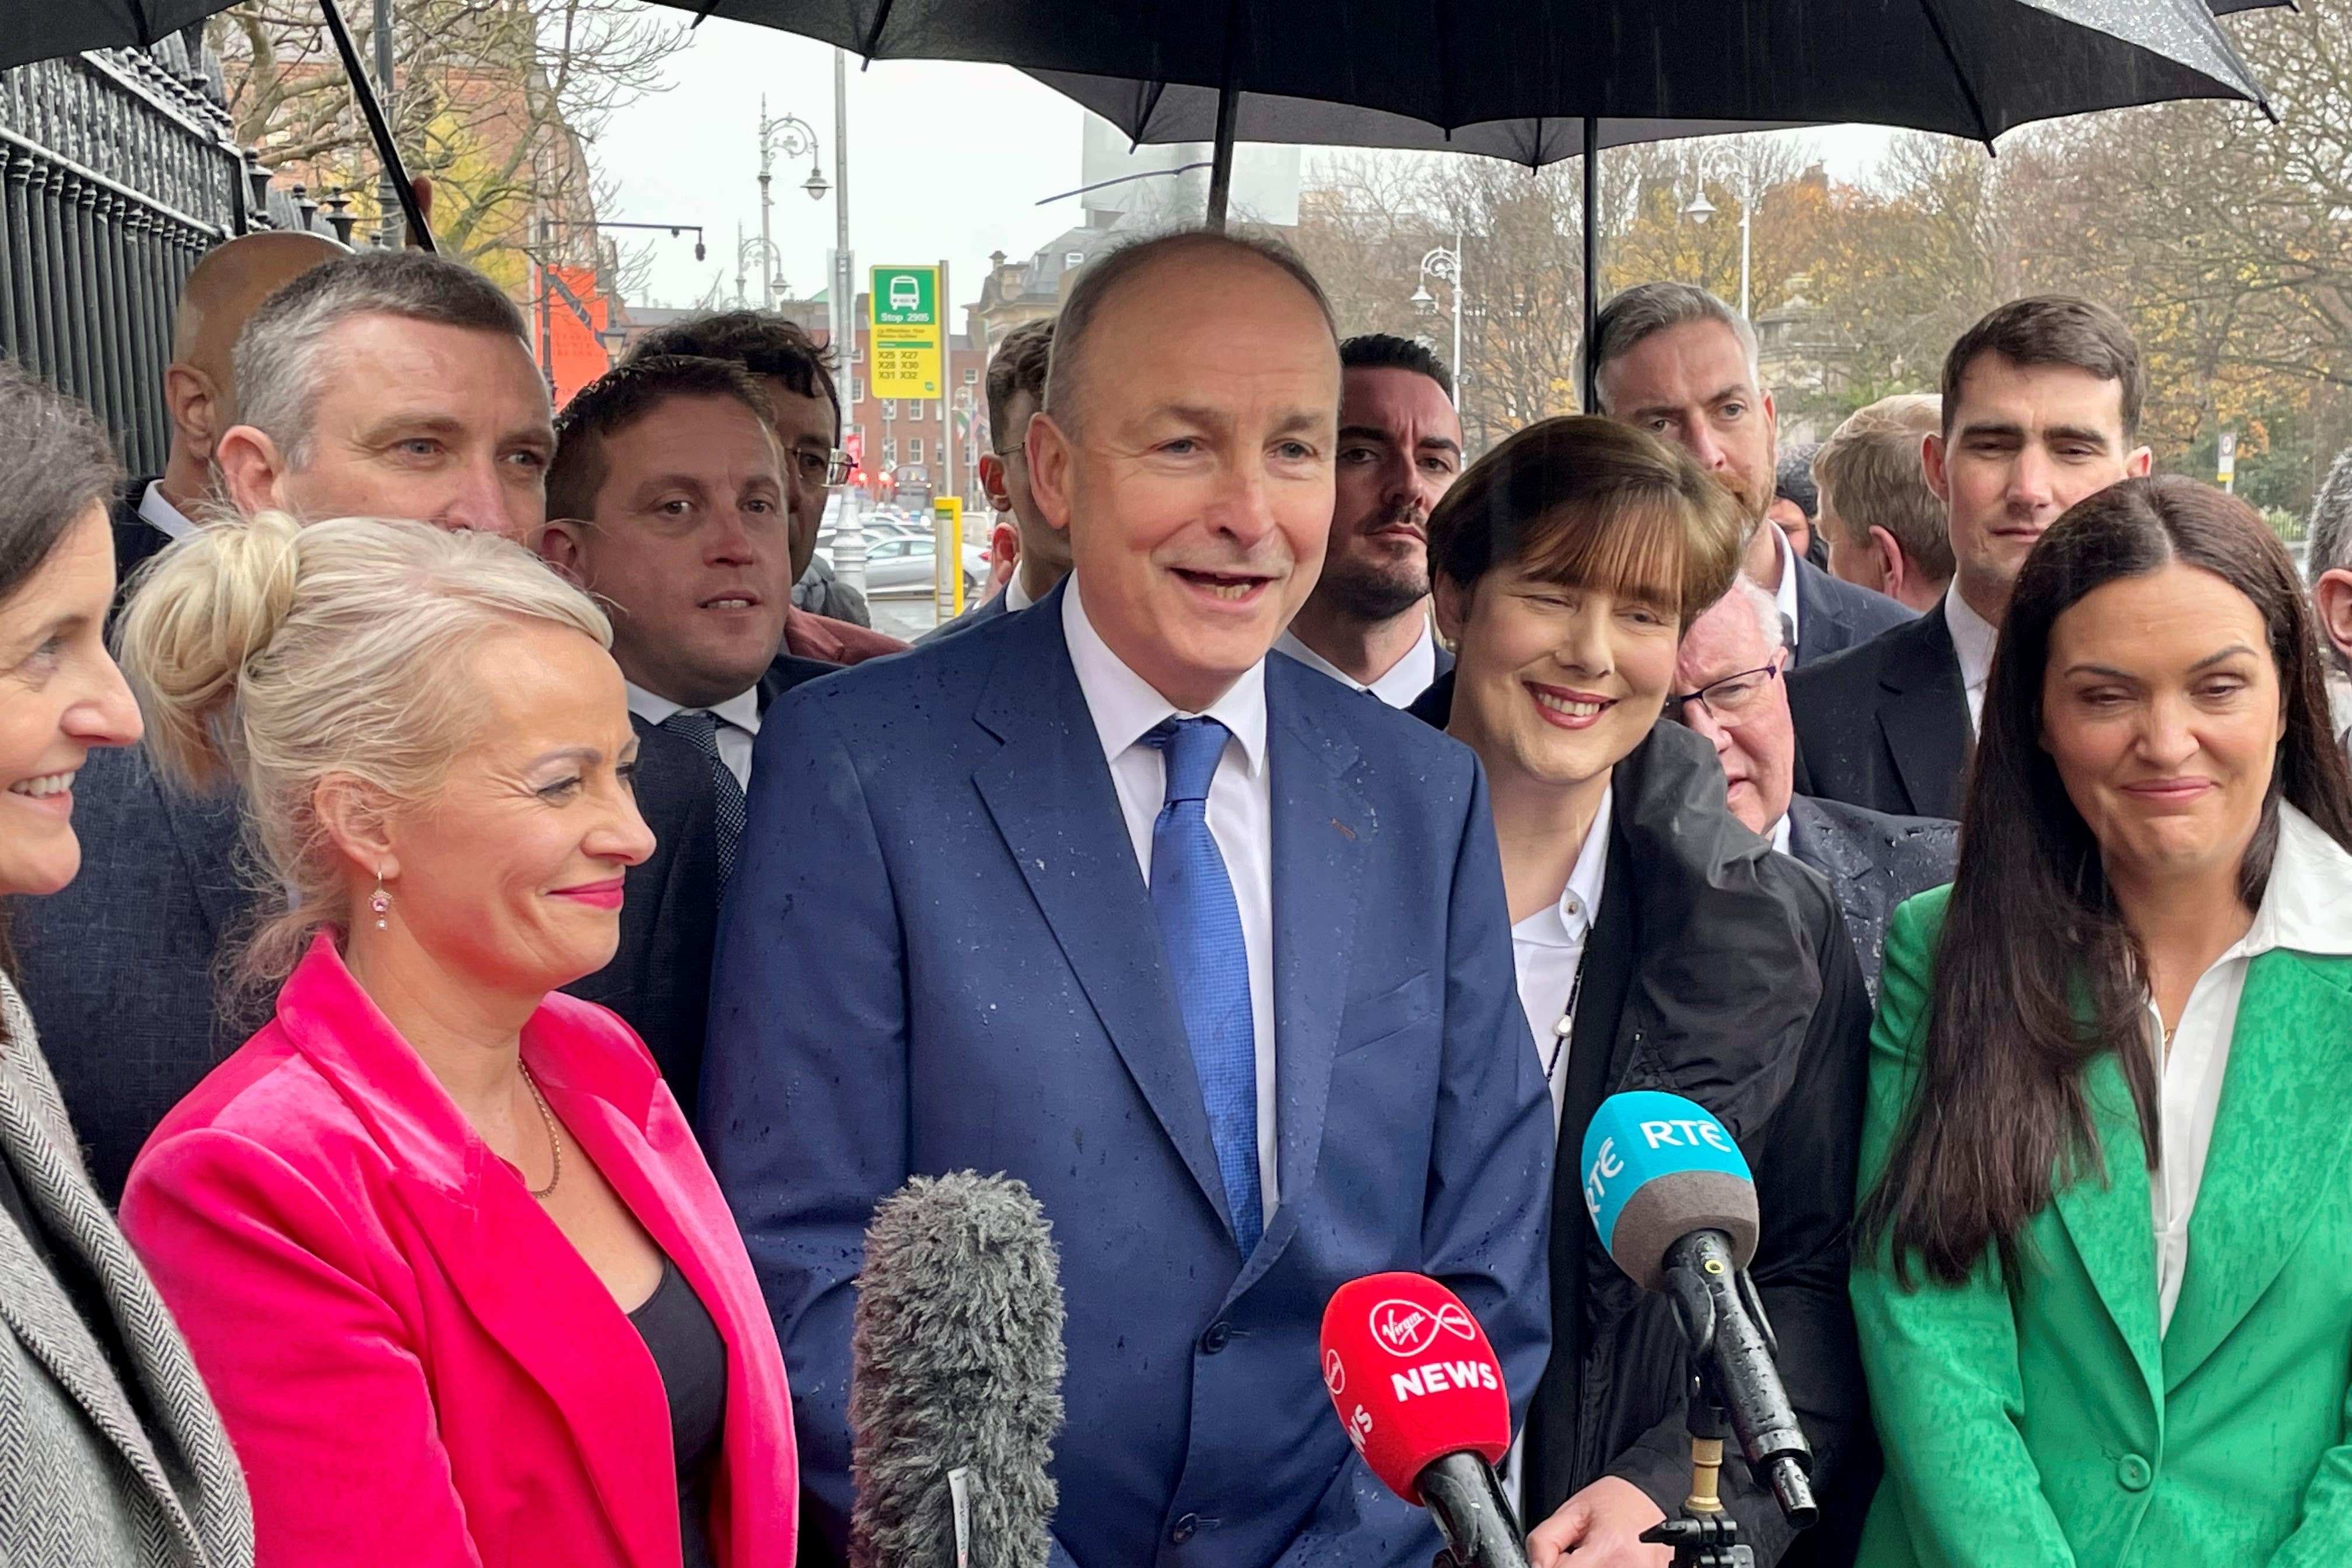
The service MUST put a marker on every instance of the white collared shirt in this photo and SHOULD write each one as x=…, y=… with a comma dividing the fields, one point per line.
x=1785, y=595
x=739, y=724
x=1972, y=639
x=1547, y=945
x=2307, y=907
x=1125, y=709
x=155, y=510
x=1405, y=679
x=2339, y=708
x=1016, y=596
x=1780, y=833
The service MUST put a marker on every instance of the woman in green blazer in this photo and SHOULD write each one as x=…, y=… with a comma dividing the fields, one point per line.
x=2105, y=1294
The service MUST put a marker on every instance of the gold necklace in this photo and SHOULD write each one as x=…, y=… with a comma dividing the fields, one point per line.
x=554, y=1143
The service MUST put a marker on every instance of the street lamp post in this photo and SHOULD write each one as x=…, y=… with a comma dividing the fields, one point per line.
x=1700, y=209
x=794, y=136
x=1445, y=266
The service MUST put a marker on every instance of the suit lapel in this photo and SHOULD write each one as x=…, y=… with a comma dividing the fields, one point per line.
x=36, y=1308
x=1322, y=831
x=1050, y=792
x=2284, y=1128
x=2110, y=1223
x=1927, y=728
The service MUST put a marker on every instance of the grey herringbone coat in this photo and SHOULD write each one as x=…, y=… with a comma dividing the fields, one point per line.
x=84, y=1483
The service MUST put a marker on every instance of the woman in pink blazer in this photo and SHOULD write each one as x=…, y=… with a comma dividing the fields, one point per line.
x=442, y=1241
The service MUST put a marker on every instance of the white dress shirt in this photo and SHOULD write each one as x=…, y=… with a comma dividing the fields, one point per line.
x=739, y=724
x=2307, y=907
x=157, y=511
x=1407, y=679
x=1125, y=709
x=1017, y=595
x=1780, y=833
x=1547, y=946
x=1972, y=640
x=1785, y=595
x=2339, y=707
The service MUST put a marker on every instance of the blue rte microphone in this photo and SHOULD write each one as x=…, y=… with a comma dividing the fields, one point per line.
x=1669, y=1193
x=1656, y=1168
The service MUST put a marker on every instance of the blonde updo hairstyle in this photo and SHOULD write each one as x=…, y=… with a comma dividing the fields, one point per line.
x=270, y=655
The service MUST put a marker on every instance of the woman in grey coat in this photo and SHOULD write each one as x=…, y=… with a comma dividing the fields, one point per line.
x=110, y=1454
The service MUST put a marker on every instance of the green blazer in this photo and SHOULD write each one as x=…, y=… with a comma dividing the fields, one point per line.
x=2040, y=1420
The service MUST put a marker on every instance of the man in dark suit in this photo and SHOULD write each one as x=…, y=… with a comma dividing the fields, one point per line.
x=1207, y=949
x=1727, y=675
x=667, y=501
x=1016, y=390
x=2040, y=408
x=200, y=384
x=1680, y=364
x=1367, y=624
x=383, y=383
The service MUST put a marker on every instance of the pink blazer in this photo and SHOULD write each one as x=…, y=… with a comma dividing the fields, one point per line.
x=414, y=1367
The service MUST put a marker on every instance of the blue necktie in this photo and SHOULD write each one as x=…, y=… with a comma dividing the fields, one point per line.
x=701, y=727
x=1201, y=925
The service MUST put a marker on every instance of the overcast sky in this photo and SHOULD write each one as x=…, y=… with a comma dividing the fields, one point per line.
x=947, y=161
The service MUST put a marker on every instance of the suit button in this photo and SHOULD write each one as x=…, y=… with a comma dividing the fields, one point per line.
x=2133, y=1473
x=1219, y=1334
x=1184, y=1527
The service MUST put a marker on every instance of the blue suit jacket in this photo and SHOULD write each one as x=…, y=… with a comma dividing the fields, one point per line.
x=937, y=953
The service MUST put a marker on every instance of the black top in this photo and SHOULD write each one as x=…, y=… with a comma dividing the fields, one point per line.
x=692, y=1359
x=80, y=1284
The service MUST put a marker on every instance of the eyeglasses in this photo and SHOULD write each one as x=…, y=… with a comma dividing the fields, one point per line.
x=1731, y=699
x=838, y=466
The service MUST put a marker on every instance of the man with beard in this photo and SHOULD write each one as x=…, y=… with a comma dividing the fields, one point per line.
x=1367, y=622
x=1676, y=361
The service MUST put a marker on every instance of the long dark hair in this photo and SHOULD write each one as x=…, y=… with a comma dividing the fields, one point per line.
x=2035, y=973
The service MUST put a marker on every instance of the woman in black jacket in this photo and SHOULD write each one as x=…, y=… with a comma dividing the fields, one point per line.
x=1660, y=945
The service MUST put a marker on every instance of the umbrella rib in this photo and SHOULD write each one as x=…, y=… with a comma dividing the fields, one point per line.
x=139, y=20
x=874, y=35
x=1959, y=72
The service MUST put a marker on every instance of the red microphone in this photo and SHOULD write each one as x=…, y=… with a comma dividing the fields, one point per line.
x=1418, y=1389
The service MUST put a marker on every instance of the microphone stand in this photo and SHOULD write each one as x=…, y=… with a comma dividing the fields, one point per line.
x=1704, y=1536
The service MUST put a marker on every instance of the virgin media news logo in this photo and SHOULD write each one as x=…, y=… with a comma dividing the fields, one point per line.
x=1407, y=1328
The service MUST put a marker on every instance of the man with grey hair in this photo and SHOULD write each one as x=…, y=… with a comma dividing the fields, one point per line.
x=392, y=383
x=1204, y=946
x=387, y=383
x=1674, y=360
x=2330, y=564
x=1728, y=672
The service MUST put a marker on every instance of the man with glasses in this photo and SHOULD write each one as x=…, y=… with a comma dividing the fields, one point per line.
x=805, y=413
x=1016, y=390
x=1729, y=688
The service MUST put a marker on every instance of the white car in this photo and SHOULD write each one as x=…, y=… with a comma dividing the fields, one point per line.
x=900, y=565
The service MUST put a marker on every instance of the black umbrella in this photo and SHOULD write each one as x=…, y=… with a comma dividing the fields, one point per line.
x=1537, y=81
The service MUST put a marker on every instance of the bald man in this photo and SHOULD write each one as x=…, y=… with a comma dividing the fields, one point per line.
x=200, y=386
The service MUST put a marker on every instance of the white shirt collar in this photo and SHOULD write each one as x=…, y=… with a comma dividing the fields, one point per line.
x=1405, y=679
x=156, y=509
x=1125, y=706
x=1973, y=637
x=1017, y=595
x=1785, y=595
x=1780, y=833
x=741, y=710
x=1567, y=922
x=2307, y=907
x=2339, y=706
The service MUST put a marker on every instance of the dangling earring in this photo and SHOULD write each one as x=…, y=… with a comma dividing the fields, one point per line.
x=380, y=901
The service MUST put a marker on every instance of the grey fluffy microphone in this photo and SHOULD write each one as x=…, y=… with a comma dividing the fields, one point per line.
x=956, y=1371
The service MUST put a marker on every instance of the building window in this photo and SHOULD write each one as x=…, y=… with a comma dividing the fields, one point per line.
x=890, y=451
x=914, y=449
x=1075, y=258
x=972, y=377
x=857, y=434
x=857, y=356
x=889, y=408
x=857, y=389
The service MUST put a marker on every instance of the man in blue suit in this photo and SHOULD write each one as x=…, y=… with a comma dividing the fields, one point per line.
x=1207, y=949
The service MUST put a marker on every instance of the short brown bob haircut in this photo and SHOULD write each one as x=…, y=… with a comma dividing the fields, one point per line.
x=1588, y=503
